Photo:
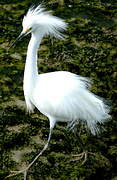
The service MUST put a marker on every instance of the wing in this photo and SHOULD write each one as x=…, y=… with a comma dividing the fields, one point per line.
x=59, y=93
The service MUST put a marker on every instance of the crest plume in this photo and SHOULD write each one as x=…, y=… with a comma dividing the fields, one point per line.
x=51, y=25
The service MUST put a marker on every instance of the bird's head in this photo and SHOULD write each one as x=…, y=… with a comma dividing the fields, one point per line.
x=32, y=21
x=41, y=23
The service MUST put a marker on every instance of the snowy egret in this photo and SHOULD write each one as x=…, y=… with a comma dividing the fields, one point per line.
x=61, y=96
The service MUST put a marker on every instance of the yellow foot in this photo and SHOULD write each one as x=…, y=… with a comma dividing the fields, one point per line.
x=79, y=157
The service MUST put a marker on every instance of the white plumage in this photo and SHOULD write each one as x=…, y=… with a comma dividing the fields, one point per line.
x=61, y=95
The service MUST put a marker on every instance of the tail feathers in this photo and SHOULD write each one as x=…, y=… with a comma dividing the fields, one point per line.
x=92, y=111
x=98, y=115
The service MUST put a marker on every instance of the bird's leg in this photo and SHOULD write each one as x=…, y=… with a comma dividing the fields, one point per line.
x=45, y=147
x=24, y=171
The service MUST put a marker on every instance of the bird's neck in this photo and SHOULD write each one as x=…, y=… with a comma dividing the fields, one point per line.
x=31, y=69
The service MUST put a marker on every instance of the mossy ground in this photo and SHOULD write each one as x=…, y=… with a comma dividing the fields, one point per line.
x=89, y=50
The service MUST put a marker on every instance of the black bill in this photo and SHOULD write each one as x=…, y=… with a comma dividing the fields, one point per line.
x=18, y=39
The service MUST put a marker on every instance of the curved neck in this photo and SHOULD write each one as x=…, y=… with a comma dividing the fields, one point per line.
x=31, y=69
x=31, y=59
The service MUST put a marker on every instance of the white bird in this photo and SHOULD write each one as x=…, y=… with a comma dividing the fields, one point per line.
x=61, y=95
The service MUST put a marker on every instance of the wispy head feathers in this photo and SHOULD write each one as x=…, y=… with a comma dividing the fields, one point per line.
x=39, y=18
